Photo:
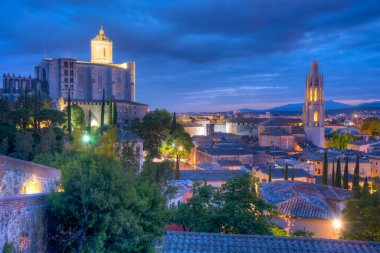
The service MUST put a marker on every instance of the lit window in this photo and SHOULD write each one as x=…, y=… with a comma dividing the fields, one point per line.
x=311, y=94
x=315, y=116
x=315, y=94
x=104, y=52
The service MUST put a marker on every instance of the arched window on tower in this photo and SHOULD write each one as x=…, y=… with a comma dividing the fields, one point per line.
x=104, y=52
x=311, y=94
x=315, y=94
x=315, y=117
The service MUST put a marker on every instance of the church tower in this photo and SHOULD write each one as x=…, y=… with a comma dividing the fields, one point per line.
x=314, y=107
x=101, y=48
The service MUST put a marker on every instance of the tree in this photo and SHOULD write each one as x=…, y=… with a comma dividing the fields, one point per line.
x=103, y=208
x=232, y=209
x=340, y=140
x=69, y=127
x=114, y=113
x=174, y=124
x=270, y=174
x=177, y=146
x=110, y=111
x=338, y=177
x=361, y=216
x=345, y=175
x=102, y=111
x=23, y=146
x=286, y=172
x=47, y=143
x=89, y=122
x=293, y=173
x=371, y=126
x=333, y=175
x=325, y=169
x=155, y=129
x=4, y=146
x=356, y=179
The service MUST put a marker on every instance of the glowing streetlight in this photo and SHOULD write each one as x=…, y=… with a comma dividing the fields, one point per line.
x=180, y=148
x=86, y=138
x=337, y=224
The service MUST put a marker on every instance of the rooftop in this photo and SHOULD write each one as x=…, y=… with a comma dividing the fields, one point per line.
x=279, y=173
x=210, y=175
x=300, y=199
x=179, y=242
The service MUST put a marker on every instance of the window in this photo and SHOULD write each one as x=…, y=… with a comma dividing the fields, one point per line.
x=71, y=80
x=315, y=94
x=315, y=116
x=66, y=72
x=65, y=64
x=104, y=52
x=311, y=94
x=65, y=80
x=71, y=72
x=71, y=64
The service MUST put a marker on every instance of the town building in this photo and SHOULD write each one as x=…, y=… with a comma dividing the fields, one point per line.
x=314, y=107
x=305, y=206
x=179, y=242
x=211, y=177
x=86, y=82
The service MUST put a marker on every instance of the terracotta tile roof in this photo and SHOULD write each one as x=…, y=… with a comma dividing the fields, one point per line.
x=301, y=199
x=181, y=242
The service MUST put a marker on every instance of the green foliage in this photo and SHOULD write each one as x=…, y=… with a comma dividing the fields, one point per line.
x=102, y=111
x=77, y=117
x=68, y=110
x=4, y=146
x=8, y=248
x=103, y=208
x=177, y=146
x=47, y=142
x=23, y=148
x=371, y=126
x=340, y=140
x=114, y=114
x=302, y=233
x=361, y=216
x=286, y=172
x=50, y=117
x=345, y=175
x=232, y=209
x=155, y=129
x=270, y=174
x=356, y=179
x=325, y=169
x=110, y=111
x=338, y=175
x=333, y=175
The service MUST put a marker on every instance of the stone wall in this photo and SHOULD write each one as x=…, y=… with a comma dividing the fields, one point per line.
x=23, y=223
x=22, y=177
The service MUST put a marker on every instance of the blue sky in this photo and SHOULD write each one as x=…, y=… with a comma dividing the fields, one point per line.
x=208, y=55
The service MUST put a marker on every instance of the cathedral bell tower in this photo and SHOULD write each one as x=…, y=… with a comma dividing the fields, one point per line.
x=314, y=107
x=101, y=48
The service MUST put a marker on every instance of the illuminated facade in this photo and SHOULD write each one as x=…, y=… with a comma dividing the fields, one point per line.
x=314, y=107
x=86, y=81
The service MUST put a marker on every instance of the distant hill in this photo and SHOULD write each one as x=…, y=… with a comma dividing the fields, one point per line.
x=329, y=105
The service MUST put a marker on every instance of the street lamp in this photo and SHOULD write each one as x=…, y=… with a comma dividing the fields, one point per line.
x=86, y=138
x=337, y=224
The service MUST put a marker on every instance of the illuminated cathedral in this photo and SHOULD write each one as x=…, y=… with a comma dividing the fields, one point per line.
x=314, y=107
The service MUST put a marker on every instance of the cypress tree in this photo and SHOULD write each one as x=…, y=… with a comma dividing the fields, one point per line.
x=338, y=177
x=293, y=173
x=286, y=172
x=69, y=113
x=102, y=112
x=89, y=122
x=110, y=112
x=114, y=114
x=355, y=181
x=270, y=174
x=333, y=175
x=325, y=169
x=345, y=175
x=174, y=123
x=366, y=188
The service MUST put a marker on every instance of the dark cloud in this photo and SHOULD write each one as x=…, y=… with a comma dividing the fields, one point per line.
x=189, y=48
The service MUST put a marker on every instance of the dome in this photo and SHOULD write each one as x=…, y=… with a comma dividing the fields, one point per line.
x=101, y=36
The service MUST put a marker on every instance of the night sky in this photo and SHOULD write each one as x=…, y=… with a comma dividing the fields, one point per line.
x=202, y=55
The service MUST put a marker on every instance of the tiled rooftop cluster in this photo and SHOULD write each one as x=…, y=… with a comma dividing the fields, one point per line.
x=186, y=242
x=300, y=199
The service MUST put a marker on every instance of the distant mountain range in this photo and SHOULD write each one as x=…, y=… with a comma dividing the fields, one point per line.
x=329, y=105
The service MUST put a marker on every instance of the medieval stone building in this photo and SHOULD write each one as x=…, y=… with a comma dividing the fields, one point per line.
x=314, y=107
